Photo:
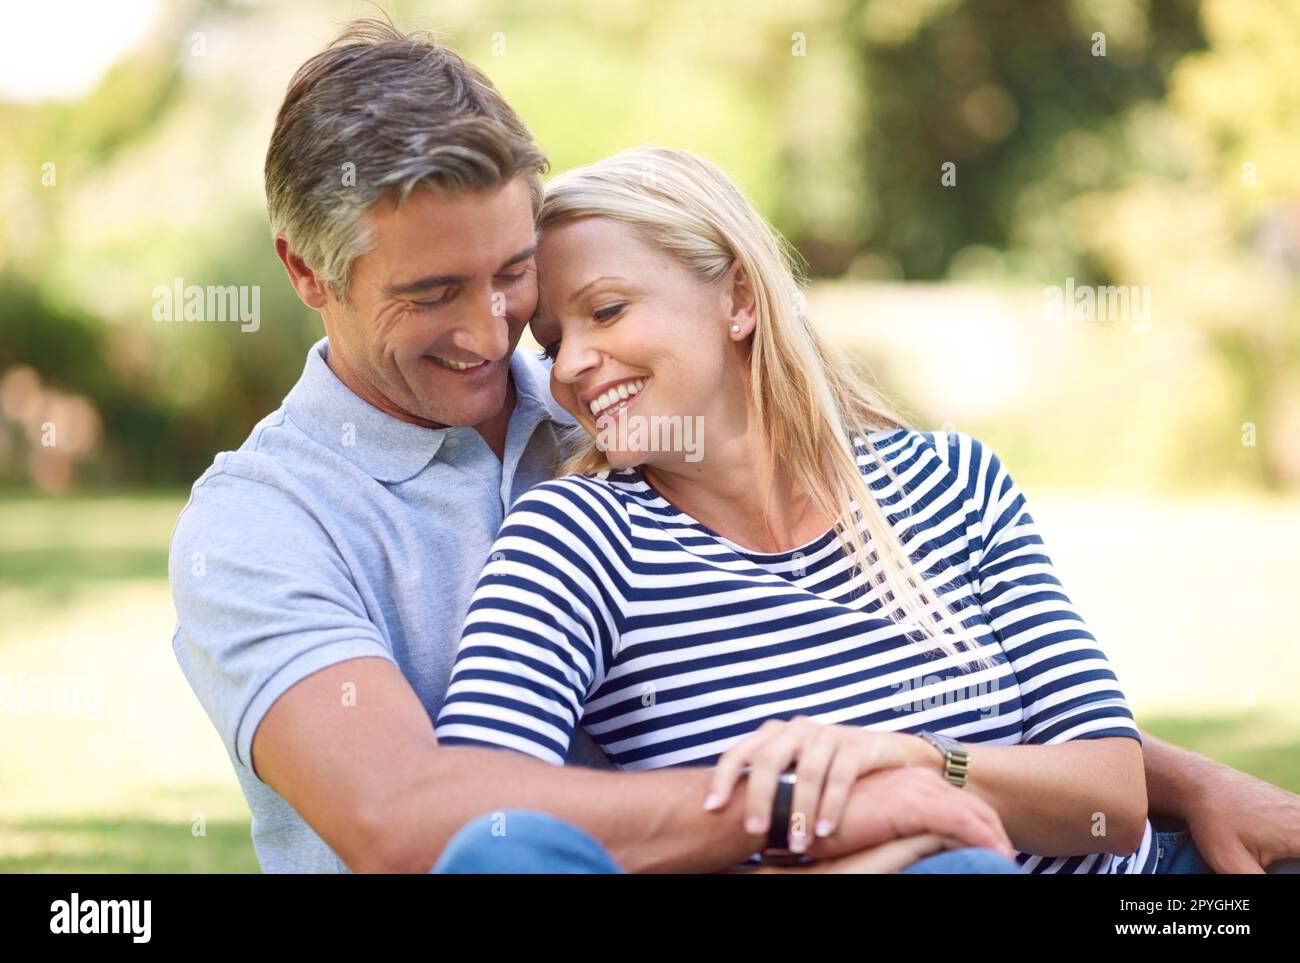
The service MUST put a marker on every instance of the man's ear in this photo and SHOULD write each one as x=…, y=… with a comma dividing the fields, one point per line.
x=311, y=289
x=740, y=303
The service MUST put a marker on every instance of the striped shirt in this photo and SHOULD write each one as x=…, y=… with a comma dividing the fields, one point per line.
x=604, y=606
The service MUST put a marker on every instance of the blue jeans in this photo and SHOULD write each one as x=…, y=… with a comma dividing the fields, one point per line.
x=1176, y=853
x=522, y=841
x=970, y=860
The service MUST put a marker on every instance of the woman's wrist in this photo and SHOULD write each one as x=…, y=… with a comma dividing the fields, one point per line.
x=923, y=753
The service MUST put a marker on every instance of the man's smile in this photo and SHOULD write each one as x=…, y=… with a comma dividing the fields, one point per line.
x=464, y=370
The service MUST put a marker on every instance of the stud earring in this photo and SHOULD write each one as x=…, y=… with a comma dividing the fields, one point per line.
x=735, y=329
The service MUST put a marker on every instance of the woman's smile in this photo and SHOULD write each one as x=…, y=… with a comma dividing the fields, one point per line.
x=611, y=398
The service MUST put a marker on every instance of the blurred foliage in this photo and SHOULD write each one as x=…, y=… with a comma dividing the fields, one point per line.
x=835, y=115
x=1016, y=96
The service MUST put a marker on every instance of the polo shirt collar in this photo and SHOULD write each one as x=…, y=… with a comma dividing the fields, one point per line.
x=533, y=387
x=386, y=448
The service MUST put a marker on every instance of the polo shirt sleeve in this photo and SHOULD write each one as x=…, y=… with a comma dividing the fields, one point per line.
x=539, y=629
x=1067, y=688
x=263, y=600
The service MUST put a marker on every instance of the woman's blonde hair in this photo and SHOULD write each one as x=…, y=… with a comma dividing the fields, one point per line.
x=810, y=402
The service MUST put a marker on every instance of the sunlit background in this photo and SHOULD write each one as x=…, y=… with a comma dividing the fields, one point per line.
x=948, y=169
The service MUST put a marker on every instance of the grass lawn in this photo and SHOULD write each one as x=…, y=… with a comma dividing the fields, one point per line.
x=119, y=779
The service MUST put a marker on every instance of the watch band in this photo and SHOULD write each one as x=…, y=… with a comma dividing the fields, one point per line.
x=778, y=831
x=956, y=760
x=778, y=851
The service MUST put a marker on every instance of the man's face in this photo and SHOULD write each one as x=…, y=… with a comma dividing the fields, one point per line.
x=438, y=305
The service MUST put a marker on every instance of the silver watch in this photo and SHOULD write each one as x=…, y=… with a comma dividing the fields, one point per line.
x=956, y=760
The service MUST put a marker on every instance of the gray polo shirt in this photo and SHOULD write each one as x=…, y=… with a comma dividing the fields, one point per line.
x=338, y=532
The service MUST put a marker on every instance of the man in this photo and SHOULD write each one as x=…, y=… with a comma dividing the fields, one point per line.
x=321, y=573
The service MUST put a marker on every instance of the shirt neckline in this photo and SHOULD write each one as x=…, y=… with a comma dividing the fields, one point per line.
x=644, y=487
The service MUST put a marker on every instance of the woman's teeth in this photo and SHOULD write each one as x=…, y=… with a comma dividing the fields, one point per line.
x=617, y=394
x=457, y=365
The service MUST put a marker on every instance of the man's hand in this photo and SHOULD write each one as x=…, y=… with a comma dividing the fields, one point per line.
x=898, y=804
x=1241, y=824
x=896, y=817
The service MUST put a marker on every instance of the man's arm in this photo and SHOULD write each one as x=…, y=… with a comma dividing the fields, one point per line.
x=372, y=781
x=1240, y=824
x=1175, y=776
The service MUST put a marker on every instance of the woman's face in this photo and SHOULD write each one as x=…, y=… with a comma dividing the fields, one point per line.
x=640, y=338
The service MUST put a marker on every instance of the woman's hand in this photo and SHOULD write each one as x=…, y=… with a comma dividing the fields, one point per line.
x=829, y=759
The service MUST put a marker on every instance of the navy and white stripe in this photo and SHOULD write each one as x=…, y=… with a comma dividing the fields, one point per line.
x=605, y=606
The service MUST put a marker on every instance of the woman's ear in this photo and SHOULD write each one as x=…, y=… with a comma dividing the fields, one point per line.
x=740, y=302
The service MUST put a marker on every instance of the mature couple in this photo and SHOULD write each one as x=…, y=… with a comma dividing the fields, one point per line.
x=834, y=643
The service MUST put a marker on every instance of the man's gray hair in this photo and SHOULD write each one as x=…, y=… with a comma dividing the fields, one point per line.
x=374, y=115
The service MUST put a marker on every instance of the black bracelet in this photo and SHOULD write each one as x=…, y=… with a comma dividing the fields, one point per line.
x=778, y=833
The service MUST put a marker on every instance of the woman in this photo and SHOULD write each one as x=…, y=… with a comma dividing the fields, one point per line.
x=815, y=561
